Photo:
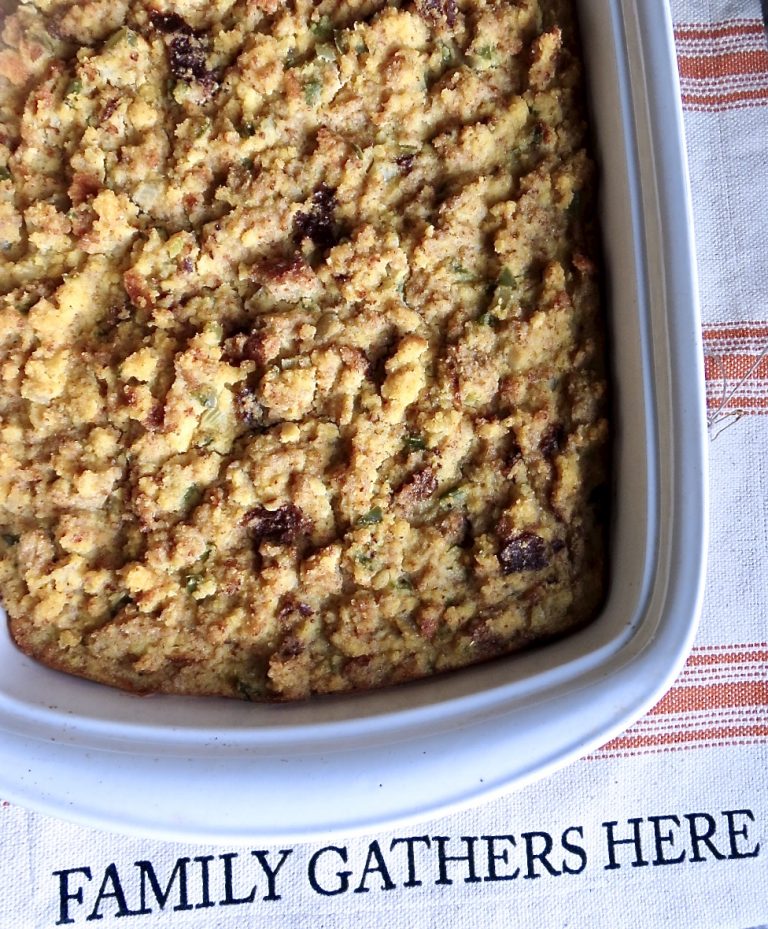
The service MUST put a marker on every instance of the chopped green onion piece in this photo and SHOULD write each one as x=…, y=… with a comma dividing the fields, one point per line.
x=192, y=496
x=452, y=498
x=323, y=28
x=371, y=517
x=206, y=398
x=312, y=91
x=461, y=272
x=414, y=443
x=506, y=278
x=340, y=41
x=245, y=691
x=122, y=600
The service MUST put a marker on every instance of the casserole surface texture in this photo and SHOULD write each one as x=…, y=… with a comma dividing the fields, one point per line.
x=302, y=383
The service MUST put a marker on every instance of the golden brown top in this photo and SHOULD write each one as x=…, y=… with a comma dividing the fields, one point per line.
x=300, y=350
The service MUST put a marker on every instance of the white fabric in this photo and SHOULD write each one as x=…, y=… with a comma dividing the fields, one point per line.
x=701, y=757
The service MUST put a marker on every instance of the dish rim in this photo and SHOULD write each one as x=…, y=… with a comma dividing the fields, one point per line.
x=639, y=661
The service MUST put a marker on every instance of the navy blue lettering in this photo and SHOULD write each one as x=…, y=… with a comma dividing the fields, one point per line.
x=374, y=854
x=734, y=833
x=494, y=856
x=635, y=841
x=444, y=858
x=410, y=842
x=343, y=876
x=270, y=872
x=65, y=895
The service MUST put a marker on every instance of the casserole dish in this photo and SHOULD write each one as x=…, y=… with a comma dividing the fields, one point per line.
x=351, y=764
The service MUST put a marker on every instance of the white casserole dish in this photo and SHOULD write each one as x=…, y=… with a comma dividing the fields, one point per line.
x=212, y=770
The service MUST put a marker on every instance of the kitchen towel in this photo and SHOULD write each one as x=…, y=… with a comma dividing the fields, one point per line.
x=667, y=824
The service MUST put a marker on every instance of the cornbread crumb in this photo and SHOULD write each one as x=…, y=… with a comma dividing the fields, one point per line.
x=302, y=385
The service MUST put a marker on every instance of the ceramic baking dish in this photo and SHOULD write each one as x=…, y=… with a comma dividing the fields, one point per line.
x=222, y=770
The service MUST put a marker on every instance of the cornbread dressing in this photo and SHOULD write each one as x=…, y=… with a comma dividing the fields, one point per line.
x=302, y=377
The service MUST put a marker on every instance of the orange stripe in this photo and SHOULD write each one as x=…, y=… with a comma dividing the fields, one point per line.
x=739, y=404
x=736, y=657
x=696, y=735
x=726, y=100
x=720, y=31
x=726, y=64
x=735, y=367
x=737, y=331
x=710, y=696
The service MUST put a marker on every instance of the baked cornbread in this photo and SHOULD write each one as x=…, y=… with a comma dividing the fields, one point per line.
x=302, y=377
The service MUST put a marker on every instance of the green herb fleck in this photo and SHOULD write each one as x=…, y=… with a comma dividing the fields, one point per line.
x=245, y=691
x=113, y=40
x=414, y=443
x=358, y=151
x=5, y=174
x=371, y=517
x=341, y=42
x=121, y=601
x=404, y=583
x=446, y=53
x=175, y=247
x=192, y=496
x=75, y=87
x=485, y=57
x=205, y=126
x=130, y=37
x=506, y=278
x=363, y=559
x=312, y=91
x=206, y=398
x=10, y=538
x=452, y=498
x=211, y=420
x=325, y=52
x=464, y=274
x=191, y=582
x=489, y=319
x=323, y=28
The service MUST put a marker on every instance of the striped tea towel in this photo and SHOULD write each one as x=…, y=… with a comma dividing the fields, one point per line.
x=666, y=825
